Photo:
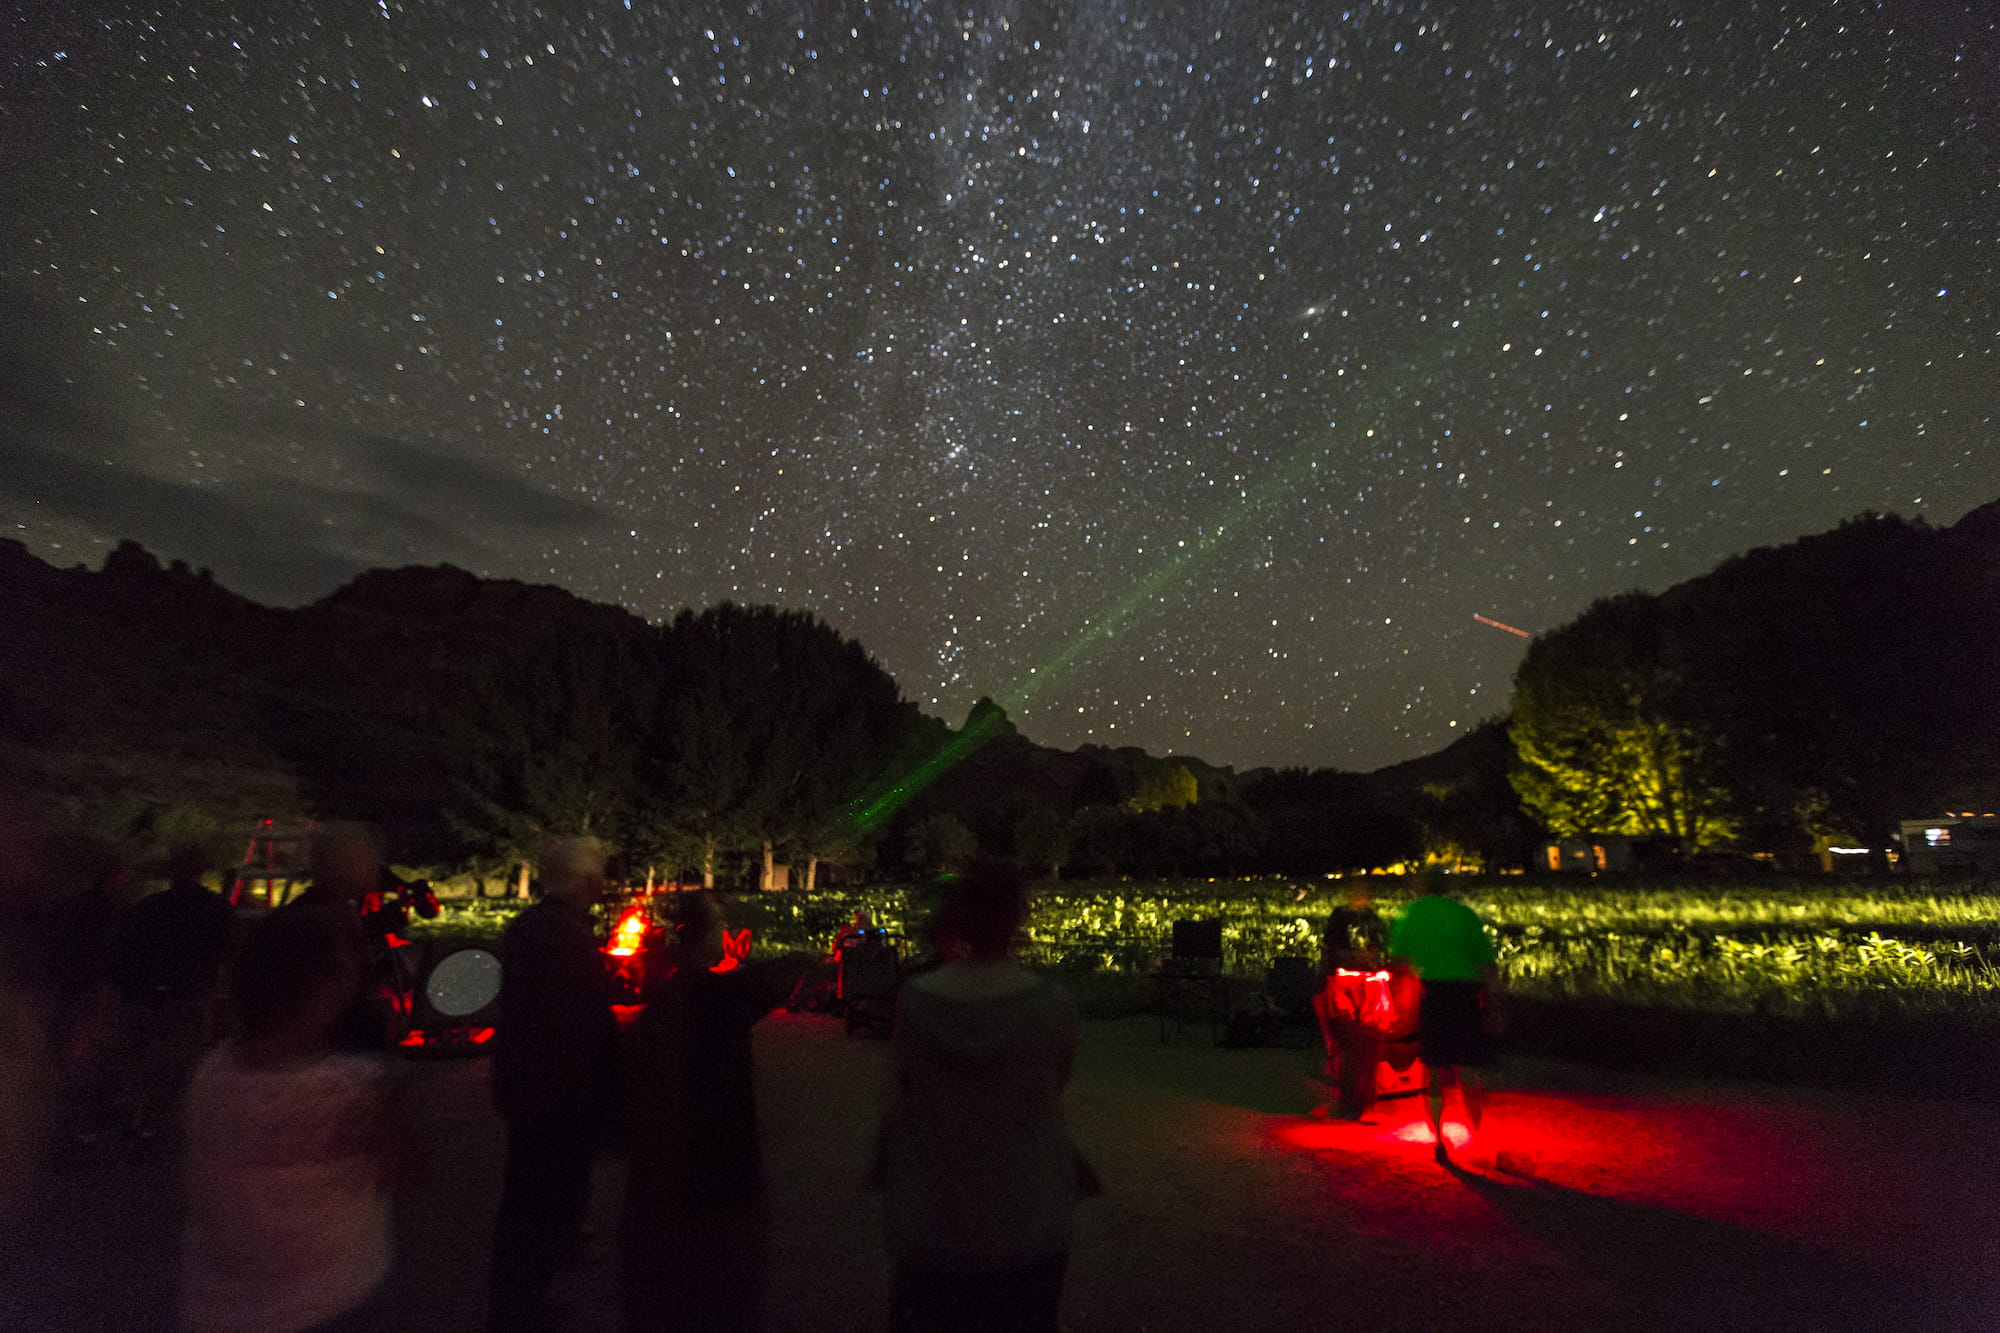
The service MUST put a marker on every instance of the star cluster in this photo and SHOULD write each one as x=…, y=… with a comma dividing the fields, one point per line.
x=1181, y=374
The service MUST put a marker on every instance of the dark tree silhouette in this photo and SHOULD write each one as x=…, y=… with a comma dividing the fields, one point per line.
x=1812, y=693
x=547, y=739
x=770, y=726
x=1323, y=819
x=1042, y=838
x=1850, y=676
x=1467, y=807
x=940, y=842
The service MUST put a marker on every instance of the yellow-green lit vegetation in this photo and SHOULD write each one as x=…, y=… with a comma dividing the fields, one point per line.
x=1813, y=950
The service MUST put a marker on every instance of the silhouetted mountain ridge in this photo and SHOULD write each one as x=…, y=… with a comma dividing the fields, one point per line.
x=143, y=683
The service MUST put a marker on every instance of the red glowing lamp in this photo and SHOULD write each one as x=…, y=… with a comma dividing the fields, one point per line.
x=629, y=935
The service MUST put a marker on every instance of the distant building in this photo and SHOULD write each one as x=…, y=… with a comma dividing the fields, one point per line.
x=1610, y=855
x=1849, y=860
x=1952, y=844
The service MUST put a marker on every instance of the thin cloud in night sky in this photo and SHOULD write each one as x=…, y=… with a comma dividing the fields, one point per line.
x=70, y=454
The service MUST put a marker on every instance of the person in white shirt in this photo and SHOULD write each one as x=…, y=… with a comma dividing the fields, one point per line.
x=291, y=1147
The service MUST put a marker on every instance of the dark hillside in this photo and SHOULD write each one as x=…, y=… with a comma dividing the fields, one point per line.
x=126, y=685
x=142, y=685
x=1854, y=669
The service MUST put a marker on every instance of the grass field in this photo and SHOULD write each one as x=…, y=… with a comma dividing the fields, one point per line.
x=1817, y=950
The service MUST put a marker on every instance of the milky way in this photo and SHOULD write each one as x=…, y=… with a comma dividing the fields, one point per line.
x=1183, y=375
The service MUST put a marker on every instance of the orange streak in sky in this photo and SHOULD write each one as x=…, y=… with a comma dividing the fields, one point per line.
x=1497, y=625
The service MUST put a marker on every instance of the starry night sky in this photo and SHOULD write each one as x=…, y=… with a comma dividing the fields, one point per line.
x=1185, y=375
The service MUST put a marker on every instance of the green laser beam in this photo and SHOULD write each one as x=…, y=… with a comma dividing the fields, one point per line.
x=1208, y=539
x=1236, y=517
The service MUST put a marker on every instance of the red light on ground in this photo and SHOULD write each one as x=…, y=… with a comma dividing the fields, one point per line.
x=1392, y=1126
x=1419, y=1132
x=1320, y=1135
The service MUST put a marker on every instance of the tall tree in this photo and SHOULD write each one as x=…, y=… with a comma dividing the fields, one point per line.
x=1851, y=675
x=1316, y=820
x=547, y=738
x=1165, y=784
x=1606, y=734
x=1043, y=837
x=1469, y=812
x=770, y=725
x=827, y=842
x=940, y=842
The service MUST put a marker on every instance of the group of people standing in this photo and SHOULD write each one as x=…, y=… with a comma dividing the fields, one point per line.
x=976, y=1170
x=296, y=1135
x=296, y=1140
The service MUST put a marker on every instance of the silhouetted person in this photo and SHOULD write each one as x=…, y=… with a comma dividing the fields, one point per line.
x=345, y=859
x=32, y=1007
x=1353, y=935
x=859, y=927
x=695, y=1239
x=174, y=941
x=166, y=966
x=977, y=1170
x=110, y=1044
x=1447, y=945
x=1350, y=953
x=346, y=863
x=554, y=1080
x=292, y=1147
x=49, y=984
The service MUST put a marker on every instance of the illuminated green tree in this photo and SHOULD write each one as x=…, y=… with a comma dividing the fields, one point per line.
x=1167, y=784
x=1606, y=740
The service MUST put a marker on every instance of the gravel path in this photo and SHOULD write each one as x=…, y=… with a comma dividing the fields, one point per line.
x=1616, y=1203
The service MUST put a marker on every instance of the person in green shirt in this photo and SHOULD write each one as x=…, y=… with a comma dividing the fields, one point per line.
x=1446, y=944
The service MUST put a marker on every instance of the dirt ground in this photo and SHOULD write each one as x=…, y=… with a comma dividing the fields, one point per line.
x=1616, y=1203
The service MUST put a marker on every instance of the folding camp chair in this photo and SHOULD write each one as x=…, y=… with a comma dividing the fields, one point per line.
x=1191, y=981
